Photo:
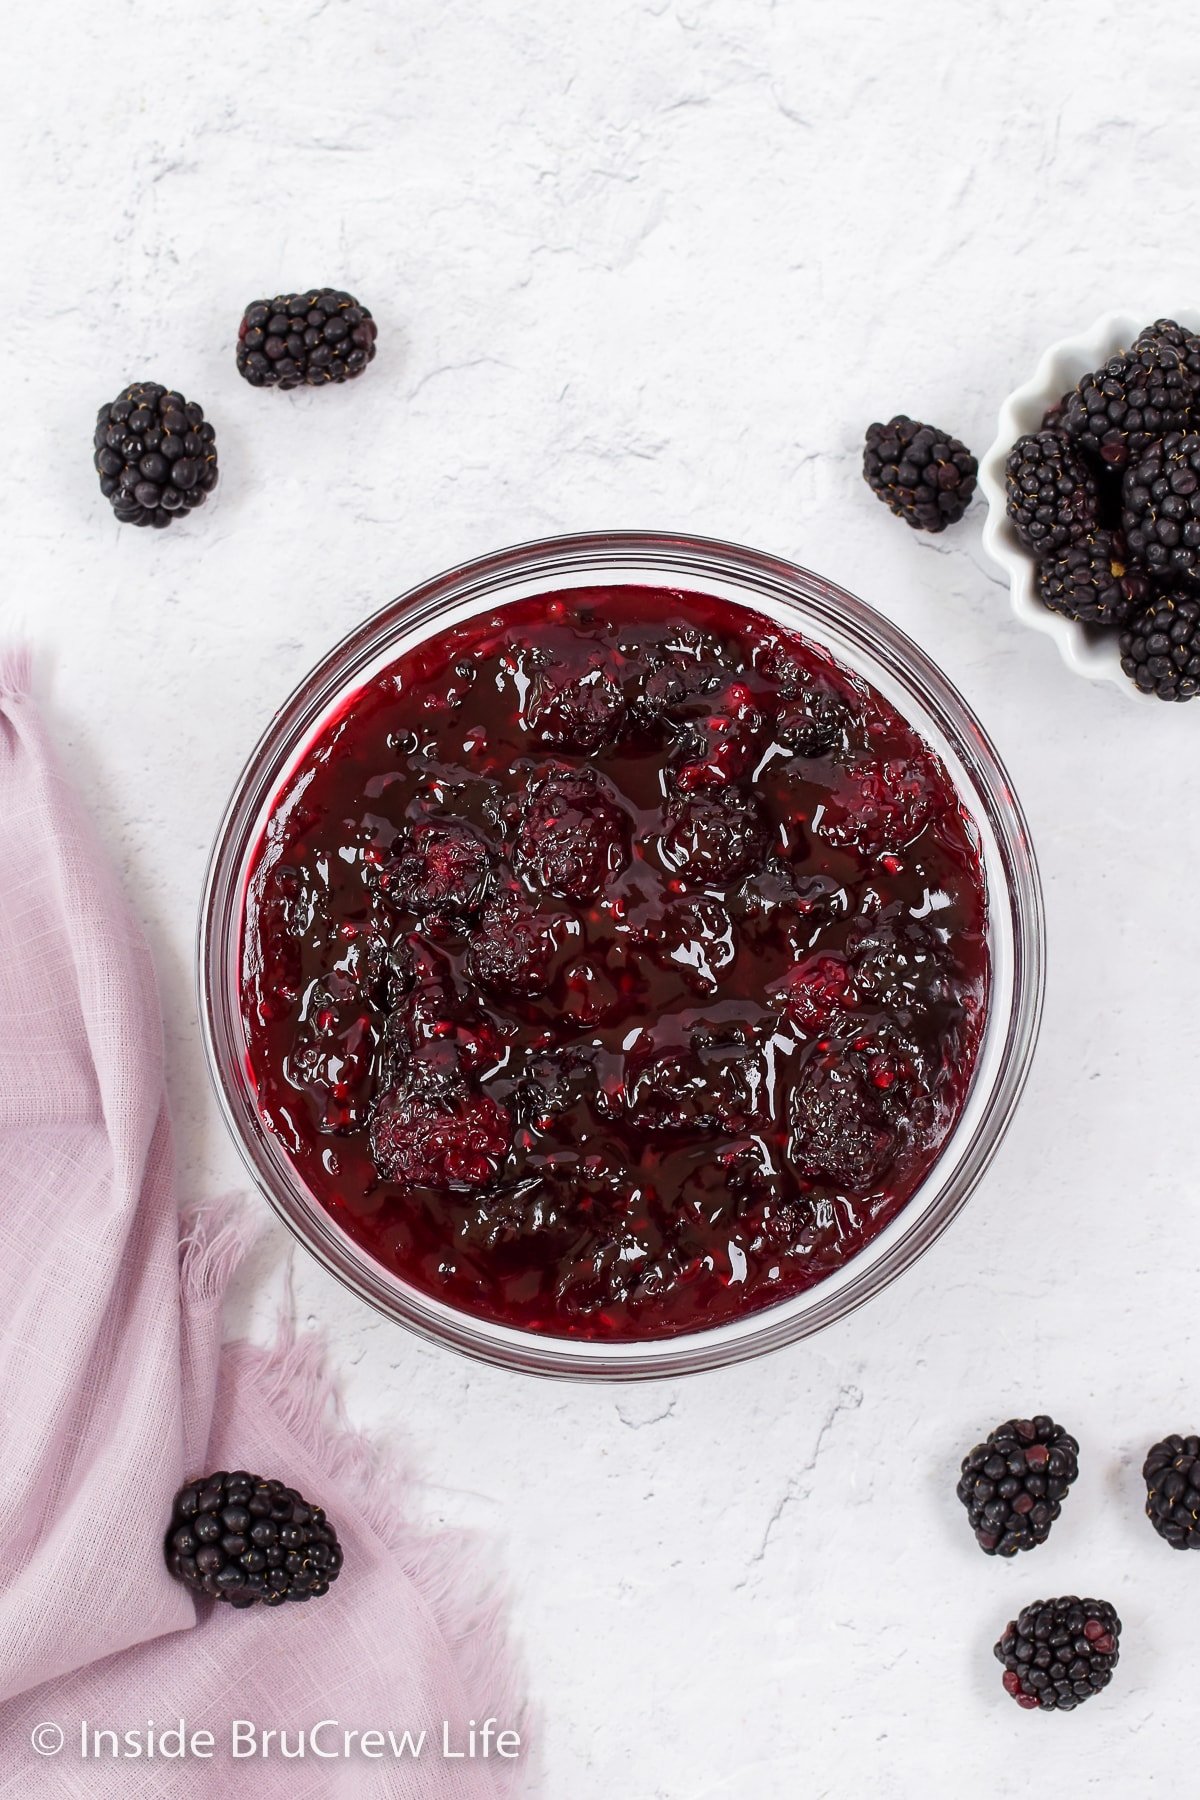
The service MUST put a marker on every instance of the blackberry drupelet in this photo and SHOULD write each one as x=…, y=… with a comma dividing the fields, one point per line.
x=313, y=338
x=1093, y=581
x=1161, y=508
x=1185, y=343
x=155, y=453
x=1052, y=494
x=1172, y=1476
x=924, y=475
x=241, y=1539
x=1160, y=647
x=1139, y=395
x=1058, y=1653
x=1013, y=1485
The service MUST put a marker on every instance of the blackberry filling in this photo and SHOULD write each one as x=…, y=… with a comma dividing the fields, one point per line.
x=615, y=964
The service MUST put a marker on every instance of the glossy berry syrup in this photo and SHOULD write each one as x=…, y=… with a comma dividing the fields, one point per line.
x=615, y=964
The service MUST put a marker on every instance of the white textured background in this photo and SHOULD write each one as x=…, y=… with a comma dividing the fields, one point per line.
x=658, y=264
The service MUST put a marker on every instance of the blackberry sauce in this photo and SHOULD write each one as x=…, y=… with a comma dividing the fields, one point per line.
x=615, y=964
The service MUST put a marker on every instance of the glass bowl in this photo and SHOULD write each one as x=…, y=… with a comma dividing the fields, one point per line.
x=860, y=639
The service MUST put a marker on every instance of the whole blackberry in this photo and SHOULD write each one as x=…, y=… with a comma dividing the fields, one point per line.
x=1058, y=1653
x=1013, y=1485
x=239, y=1538
x=1138, y=395
x=1052, y=494
x=1093, y=581
x=1160, y=647
x=1052, y=418
x=316, y=337
x=1161, y=508
x=156, y=454
x=1185, y=343
x=924, y=475
x=1172, y=1476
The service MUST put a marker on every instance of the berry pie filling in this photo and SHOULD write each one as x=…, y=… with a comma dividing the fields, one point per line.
x=615, y=964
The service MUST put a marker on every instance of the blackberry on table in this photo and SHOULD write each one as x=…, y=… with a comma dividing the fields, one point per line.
x=313, y=338
x=924, y=475
x=155, y=454
x=1160, y=647
x=238, y=1538
x=1161, y=508
x=1052, y=497
x=1138, y=395
x=1093, y=581
x=1014, y=1483
x=1058, y=1653
x=1172, y=1476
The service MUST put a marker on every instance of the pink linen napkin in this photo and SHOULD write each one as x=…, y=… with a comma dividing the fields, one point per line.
x=115, y=1389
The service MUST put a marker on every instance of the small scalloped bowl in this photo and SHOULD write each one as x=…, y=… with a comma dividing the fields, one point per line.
x=1086, y=650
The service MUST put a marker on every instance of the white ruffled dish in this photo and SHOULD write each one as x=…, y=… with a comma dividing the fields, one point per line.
x=1086, y=650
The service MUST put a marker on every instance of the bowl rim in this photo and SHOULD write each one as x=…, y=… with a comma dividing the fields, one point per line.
x=1090, y=653
x=819, y=609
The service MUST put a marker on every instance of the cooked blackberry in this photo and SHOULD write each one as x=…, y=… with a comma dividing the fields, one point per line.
x=155, y=454
x=582, y=713
x=1093, y=581
x=813, y=722
x=573, y=835
x=1172, y=1476
x=713, y=837
x=1058, y=1653
x=878, y=805
x=241, y=1539
x=1160, y=647
x=435, y=1132
x=897, y=962
x=1161, y=508
x=839, y=1132
x=1052, y=494
x=439, y=867
x=1139, y=395
x=924, y=475
x=514, y=946
x=1186, y=344
x=316, y=337
x=1013, y=1485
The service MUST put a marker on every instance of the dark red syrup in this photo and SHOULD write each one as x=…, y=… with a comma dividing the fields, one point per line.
x=615, y=964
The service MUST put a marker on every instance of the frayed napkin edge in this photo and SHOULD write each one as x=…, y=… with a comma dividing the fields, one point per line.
x=16, y=670
x=467, y=1600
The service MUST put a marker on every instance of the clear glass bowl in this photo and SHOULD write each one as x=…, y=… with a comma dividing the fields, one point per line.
x=860, y=639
